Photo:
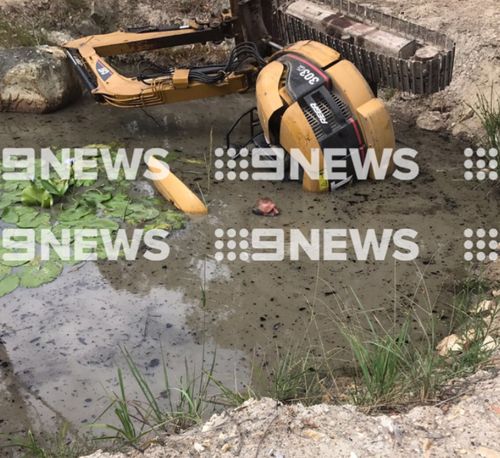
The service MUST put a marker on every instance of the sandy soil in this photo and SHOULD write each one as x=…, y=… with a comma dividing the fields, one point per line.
x=467, y=428
x=475, y=27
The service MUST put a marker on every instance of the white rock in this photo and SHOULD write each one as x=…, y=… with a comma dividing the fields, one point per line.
x=431, y=120
x=36, y=80
x=58, y=38
x=489, y=344
x=451, y=343
x=198, y=447
x=485, y=306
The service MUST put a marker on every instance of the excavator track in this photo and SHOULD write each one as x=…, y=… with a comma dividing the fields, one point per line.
x=417, y=74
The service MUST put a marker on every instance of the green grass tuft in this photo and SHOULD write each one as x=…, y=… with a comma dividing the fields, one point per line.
x=62, y=444
x=488, y=112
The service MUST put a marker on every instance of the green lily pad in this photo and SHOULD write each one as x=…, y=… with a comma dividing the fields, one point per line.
x=95, y=222
x=23, y=210
x=168, y=220
x=3, y=251
x=137, y=213
x=10, y=215
x=57, y=231
x=8, y=199
x=28, y=221
x=118, y=206
x=95, y=197
x=10, y=186
x=74, y=213
x=8, y=284
x=26, y=214
x=4, y=271
x=35, y=275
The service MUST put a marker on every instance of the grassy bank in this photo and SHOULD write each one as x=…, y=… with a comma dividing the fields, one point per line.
x=393, y=369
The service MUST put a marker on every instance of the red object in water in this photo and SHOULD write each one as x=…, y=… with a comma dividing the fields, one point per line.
x=266, y=207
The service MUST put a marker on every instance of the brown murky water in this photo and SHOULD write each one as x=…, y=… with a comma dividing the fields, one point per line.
x=59, y=346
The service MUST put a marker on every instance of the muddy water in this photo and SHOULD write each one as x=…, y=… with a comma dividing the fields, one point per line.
x=60, y=343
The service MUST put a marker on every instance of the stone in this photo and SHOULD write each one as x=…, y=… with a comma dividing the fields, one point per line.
x=58, y=38
x=36, y=80
x=198, y=447
x=489, y=344
x=485, y=306
x=102, y=13
x=452, y=343
x=88, y=27
x=431, y=120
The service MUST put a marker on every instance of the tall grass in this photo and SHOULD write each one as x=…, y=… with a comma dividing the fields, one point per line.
x=293, y=375
x=174, y=409
x=379, y=359
x=395, y=367
x=63, y=444
x=488, y=112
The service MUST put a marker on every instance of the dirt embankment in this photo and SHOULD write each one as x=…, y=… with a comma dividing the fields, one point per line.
x=475, y=27
x=262, y=428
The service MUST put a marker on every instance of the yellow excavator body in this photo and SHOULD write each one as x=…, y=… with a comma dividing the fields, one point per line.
x=309, y=98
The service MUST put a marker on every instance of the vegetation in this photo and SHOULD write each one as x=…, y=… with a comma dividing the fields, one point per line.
x=185, y=406
x=394, y=368
x=487, y=109
x=397, y=368
x=12, y=35
x=62, y=444
x=58, y=204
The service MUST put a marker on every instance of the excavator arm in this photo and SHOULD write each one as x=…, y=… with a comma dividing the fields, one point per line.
x=388, y=51
x=89, y=57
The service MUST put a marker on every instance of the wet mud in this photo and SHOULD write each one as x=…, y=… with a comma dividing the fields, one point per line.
x=61, y=342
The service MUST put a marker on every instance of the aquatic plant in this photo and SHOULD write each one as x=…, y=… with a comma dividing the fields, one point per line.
x=59, y=204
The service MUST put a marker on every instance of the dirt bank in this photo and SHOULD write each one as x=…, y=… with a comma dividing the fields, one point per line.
x=466, y=427
x=475, y=27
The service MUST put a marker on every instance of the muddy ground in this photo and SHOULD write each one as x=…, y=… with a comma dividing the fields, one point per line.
x=76, y=324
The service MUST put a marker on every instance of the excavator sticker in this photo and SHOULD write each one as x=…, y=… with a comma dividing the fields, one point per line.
x=104, y=72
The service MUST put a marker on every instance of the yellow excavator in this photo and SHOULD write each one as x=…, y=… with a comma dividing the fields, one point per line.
x=315, y=68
